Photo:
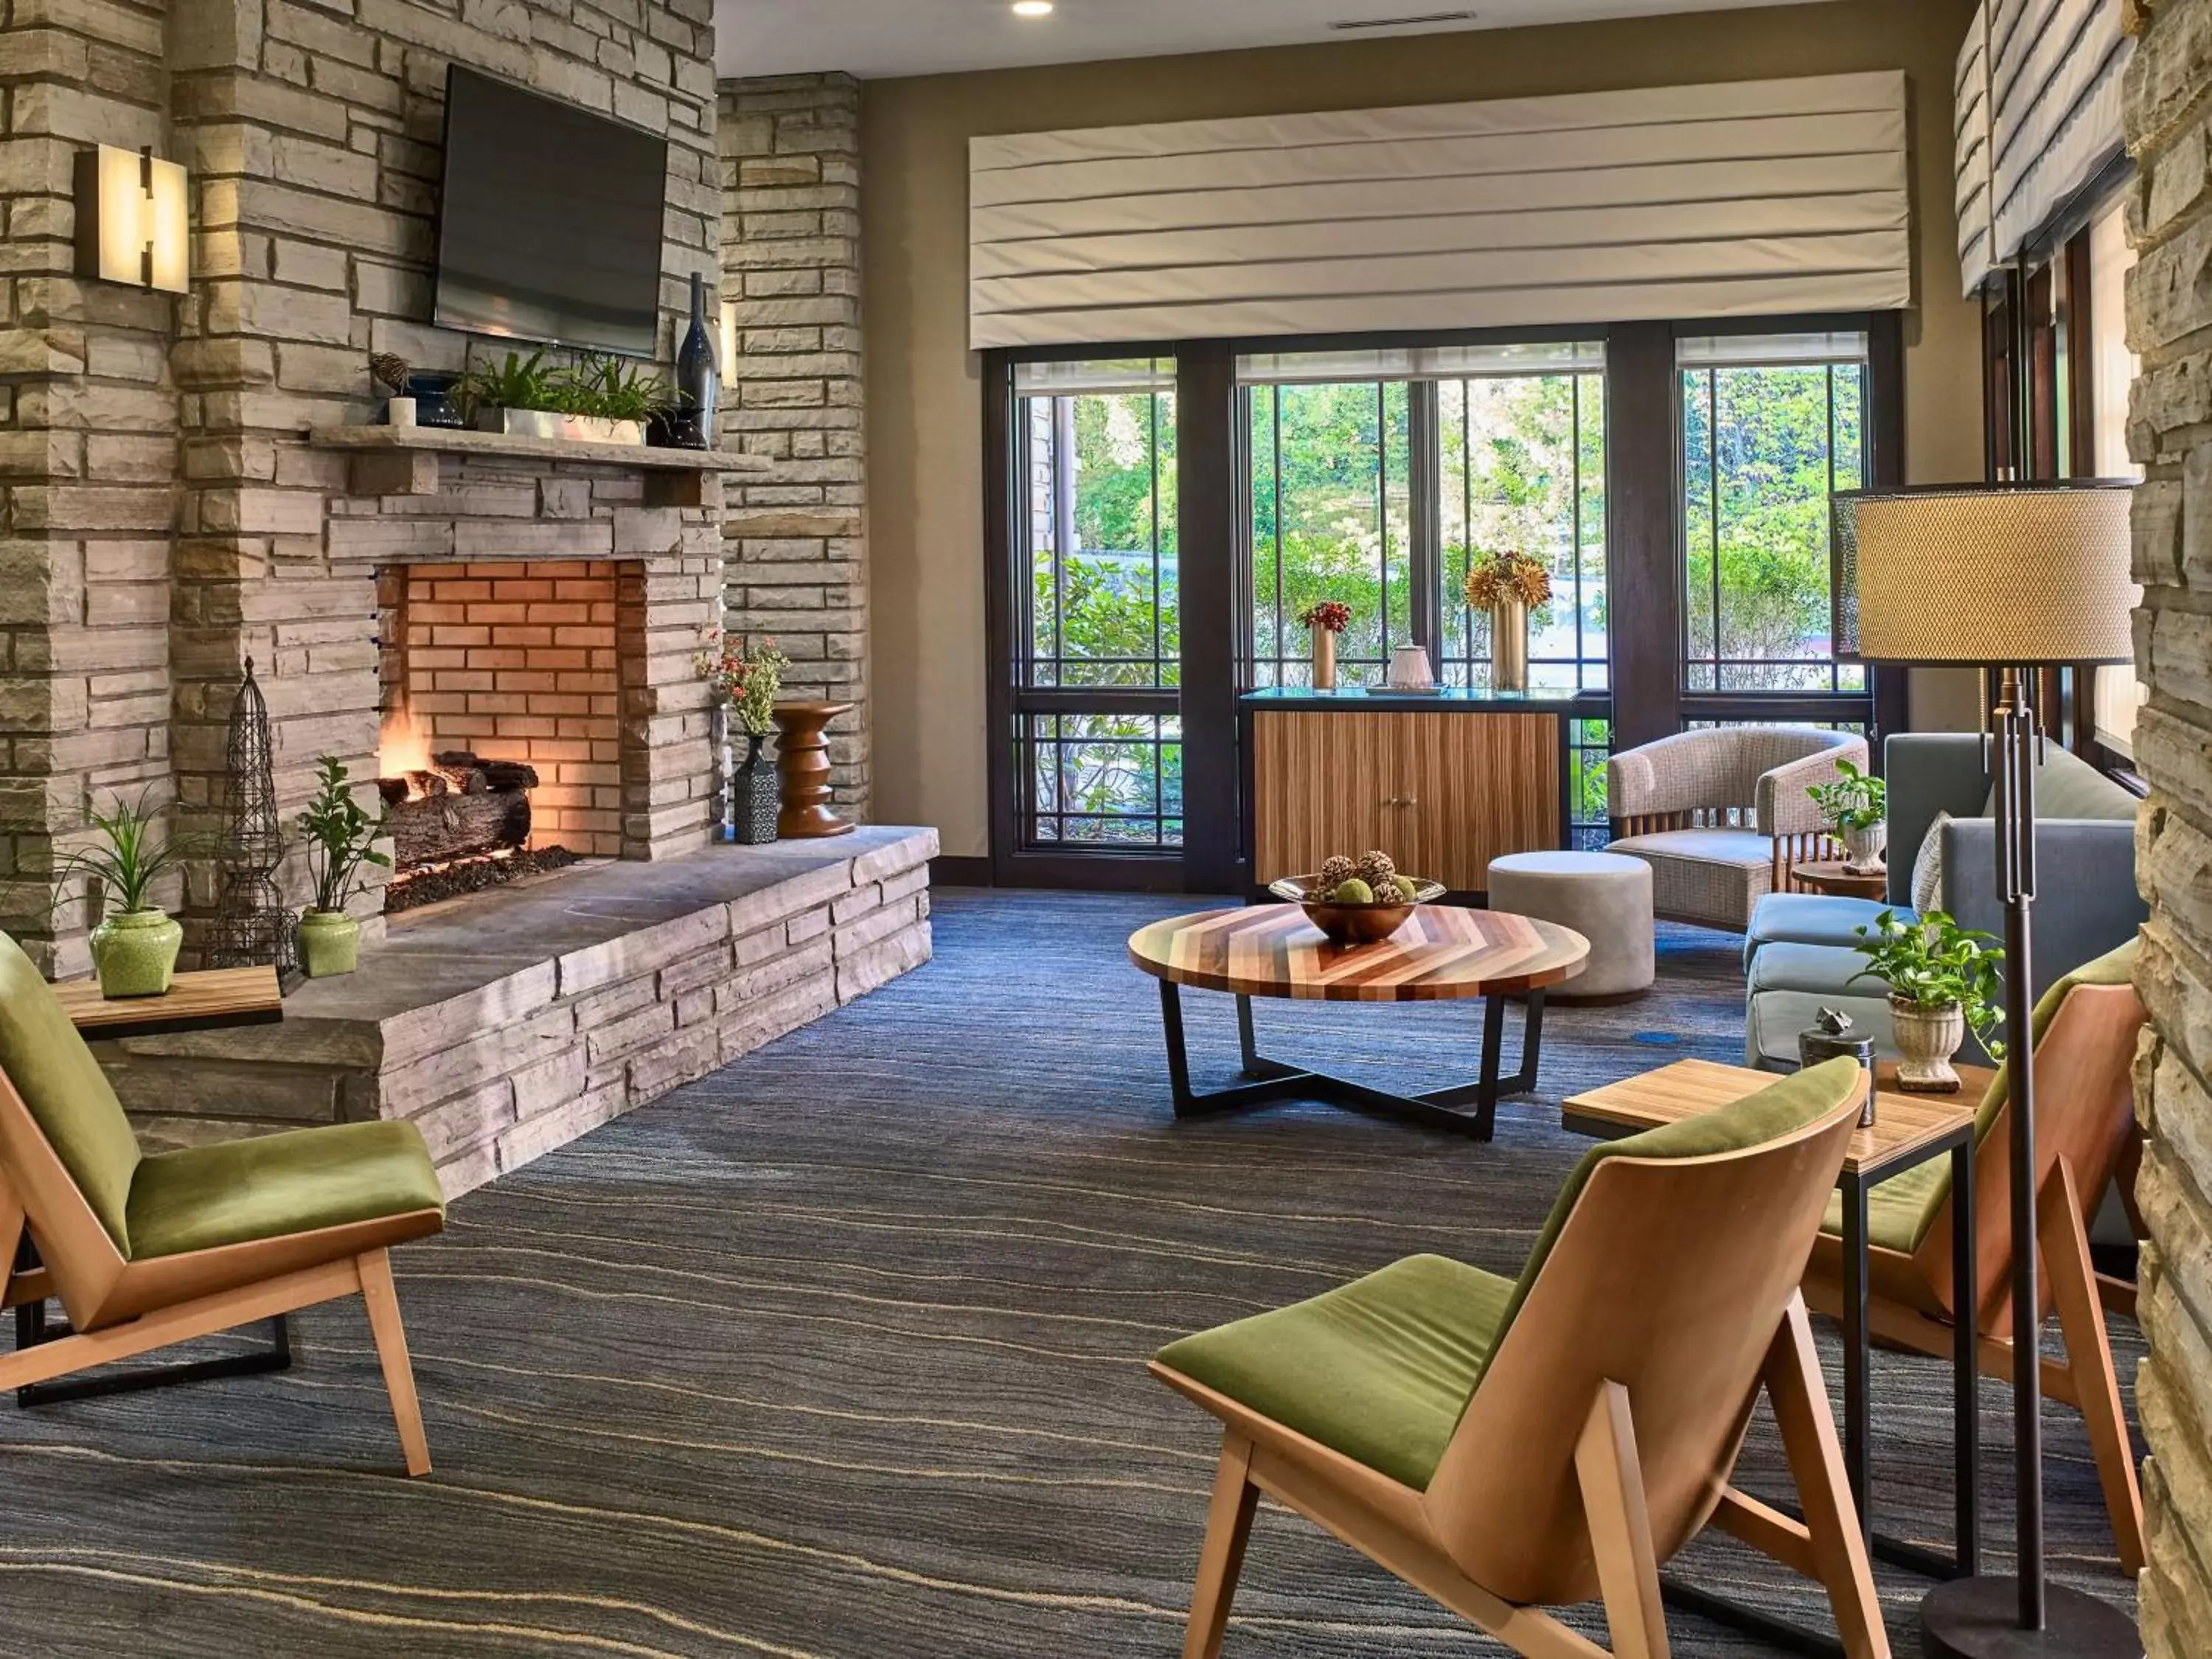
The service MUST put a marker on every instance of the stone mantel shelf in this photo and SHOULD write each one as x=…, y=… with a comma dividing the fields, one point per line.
x=406, y=460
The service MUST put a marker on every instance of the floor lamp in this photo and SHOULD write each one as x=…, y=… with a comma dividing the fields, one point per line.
x=2004, y=578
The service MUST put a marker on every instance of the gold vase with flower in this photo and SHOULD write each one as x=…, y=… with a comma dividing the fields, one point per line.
x=1508, y=584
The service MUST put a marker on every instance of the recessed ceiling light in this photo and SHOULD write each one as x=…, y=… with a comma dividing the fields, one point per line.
x=1032, y=7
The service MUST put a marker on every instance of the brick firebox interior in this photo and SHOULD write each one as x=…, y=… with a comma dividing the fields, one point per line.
x=516, y=662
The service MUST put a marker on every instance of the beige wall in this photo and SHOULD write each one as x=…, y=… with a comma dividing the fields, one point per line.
x=925, y=417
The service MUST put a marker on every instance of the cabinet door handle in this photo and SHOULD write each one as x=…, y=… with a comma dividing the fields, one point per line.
x=1410, y=800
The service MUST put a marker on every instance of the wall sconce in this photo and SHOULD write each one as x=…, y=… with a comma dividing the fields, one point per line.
x=132, y=225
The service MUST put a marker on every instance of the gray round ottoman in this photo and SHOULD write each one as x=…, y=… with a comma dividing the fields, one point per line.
x=1604, y=896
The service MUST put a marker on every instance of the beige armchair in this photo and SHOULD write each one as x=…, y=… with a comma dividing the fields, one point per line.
x=1720, y=815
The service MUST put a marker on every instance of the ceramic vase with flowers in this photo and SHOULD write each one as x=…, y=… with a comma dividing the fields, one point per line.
x=745, y=679
x=134, y=948
x=1508, y=584
x=1942, y=980
x=341, y=838
x=1324, y=619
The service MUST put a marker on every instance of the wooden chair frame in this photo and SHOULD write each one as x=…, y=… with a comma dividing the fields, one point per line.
x=1565, y=1479
x=2085, y=1128
x=119, y=1309
x=2088, y=1379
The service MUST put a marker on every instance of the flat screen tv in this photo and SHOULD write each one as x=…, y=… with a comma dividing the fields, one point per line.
x=549, y=227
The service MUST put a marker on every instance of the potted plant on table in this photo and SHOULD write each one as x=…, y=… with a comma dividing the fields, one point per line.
x=134, y=948
x=340, y=839
x=1857, y=806
x=745, y=680
x=1942, y=980
x=1325, y=619
x=1509, y=585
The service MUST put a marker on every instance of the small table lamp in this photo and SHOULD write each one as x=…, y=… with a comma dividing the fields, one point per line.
x=2004, y=576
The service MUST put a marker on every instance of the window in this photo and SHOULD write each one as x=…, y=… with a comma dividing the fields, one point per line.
x=2112, y=370
x=1772, y=426
x=1099, y=644
x=1332, y=504
x=1373, y=473
x=1375, y=476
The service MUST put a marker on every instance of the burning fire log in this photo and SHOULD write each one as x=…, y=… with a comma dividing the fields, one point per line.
x=460, y=806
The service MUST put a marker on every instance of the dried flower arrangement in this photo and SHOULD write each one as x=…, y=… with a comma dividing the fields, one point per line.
x=746, y=677
x=1494, y=577
x=1329, y=615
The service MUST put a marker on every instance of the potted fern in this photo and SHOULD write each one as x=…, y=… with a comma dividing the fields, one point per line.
x=134, y=948
x=340, y=839
x=1943, y=979
x=1857, y=806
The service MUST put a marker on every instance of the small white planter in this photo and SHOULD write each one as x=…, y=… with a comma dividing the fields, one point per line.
x=1863, y=848
x=1926, y=1040
x=520, y=422
x=399, y=412
x=597, y=429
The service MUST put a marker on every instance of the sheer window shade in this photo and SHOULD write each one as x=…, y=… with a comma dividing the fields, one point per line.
x=1745, y=198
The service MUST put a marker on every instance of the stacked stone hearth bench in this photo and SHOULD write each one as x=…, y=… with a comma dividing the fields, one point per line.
x=507, y=1025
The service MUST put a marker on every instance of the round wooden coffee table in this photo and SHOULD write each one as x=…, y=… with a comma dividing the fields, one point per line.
x=1442, y=953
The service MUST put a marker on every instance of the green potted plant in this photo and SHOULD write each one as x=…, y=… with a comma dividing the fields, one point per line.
x=134, y=948
x=340, y=839
x=604, y=400
x=1857, y=806
x=745, y=681
x=1943, y=979
x=517, y=396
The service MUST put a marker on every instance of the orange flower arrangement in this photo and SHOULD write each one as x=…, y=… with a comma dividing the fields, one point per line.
x=1494, y=577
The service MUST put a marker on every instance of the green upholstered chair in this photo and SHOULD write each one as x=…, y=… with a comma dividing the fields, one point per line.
x=144, y=1252
x=1508, y=1445
x=2085, y=1045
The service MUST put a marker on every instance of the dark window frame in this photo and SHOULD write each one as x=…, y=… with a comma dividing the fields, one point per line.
x=1644, y=697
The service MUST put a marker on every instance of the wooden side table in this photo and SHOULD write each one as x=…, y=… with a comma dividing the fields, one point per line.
x=1829, y=876
x=802, y=765
x=1907, y=1130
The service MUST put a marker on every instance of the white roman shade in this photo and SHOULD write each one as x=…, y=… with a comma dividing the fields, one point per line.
x=1741, y=198
x=2038, y=118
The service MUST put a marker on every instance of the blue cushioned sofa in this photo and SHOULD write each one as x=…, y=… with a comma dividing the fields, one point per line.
x=1797, y=954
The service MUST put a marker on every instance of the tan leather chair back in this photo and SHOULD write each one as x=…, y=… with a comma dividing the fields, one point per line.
x=1670, y=1277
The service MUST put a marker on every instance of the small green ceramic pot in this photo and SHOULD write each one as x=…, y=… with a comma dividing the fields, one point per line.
x=329, y=943
x=136, y=953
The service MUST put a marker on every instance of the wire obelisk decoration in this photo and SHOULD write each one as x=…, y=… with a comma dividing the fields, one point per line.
x=252, y=926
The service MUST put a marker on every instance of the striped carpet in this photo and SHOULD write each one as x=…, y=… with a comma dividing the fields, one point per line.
x=838, y=1355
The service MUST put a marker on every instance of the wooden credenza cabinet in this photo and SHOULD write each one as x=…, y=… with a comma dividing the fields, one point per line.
x=1443, y=785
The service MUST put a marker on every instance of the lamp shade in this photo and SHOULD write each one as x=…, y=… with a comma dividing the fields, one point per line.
x=2003, y=574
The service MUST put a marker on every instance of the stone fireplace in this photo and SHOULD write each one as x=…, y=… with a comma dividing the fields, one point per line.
x=534, y=621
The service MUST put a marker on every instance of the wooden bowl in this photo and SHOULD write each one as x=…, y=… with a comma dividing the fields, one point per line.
x=1356, y=924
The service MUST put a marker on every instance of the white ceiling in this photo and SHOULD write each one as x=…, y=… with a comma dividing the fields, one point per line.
x=877, y=38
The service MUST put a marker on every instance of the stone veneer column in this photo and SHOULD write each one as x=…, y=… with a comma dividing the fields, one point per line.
x=791, y=286
x=2169, y=308
x=88, y=460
